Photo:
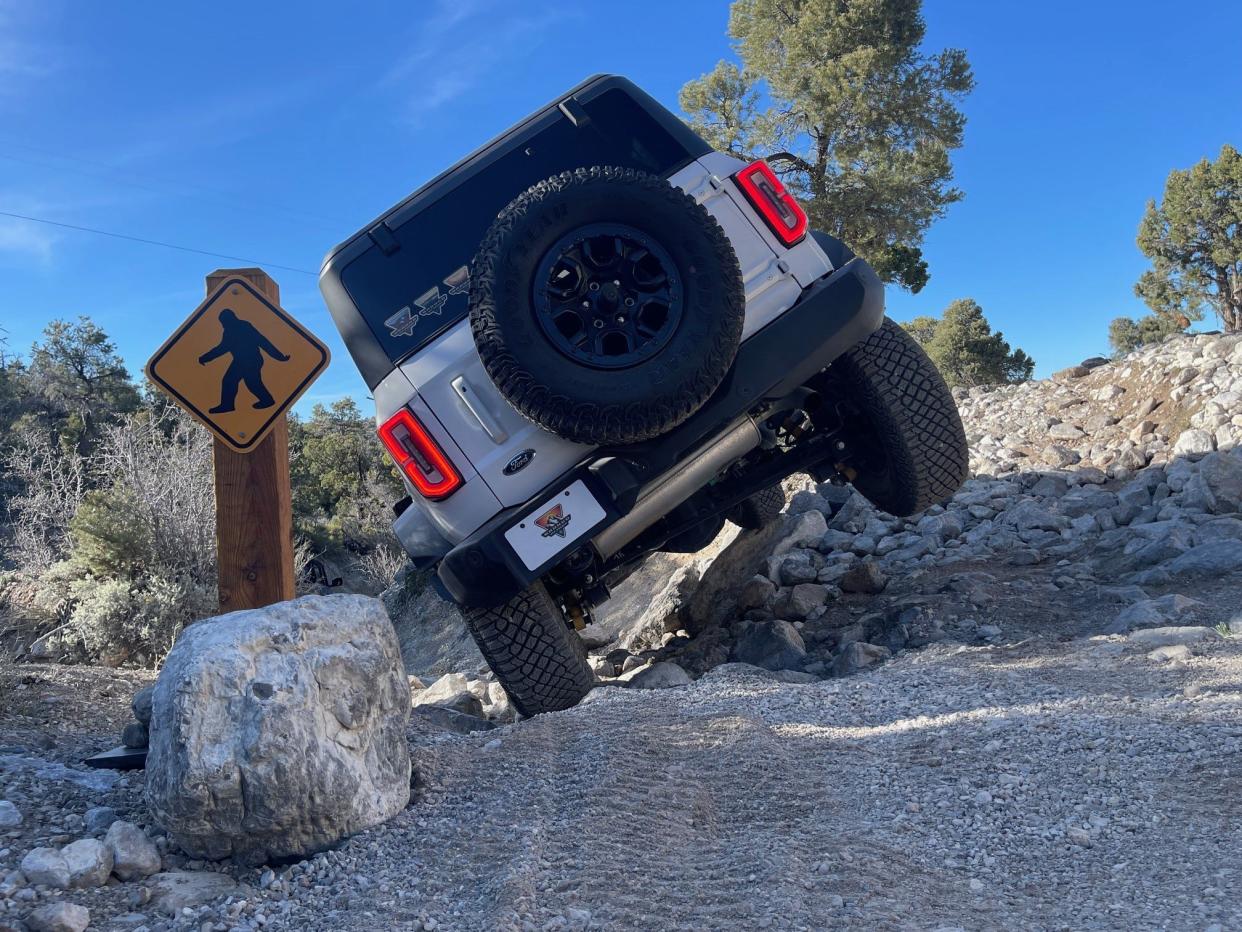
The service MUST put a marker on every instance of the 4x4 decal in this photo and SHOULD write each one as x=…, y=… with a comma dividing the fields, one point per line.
x=431, y=301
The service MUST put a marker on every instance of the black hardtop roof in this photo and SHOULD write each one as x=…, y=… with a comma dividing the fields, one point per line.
x=594, y=85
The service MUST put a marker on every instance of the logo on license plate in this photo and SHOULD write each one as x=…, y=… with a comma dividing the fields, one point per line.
x=554, y=521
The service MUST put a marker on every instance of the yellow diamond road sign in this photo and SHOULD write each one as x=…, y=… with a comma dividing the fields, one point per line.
x=237, y=364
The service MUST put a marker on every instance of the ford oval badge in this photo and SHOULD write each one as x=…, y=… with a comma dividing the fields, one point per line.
x=519, y=462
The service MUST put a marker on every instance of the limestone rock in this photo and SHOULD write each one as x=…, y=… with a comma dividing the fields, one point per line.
x=858, y=655
x=10, y=815
x=135, y=735
x=98, y=819
x=141, y=704
x=174, y=891
x=772, y=645
x=661, y=675
x=450, y=692
x=89, y=861
x=46, y=866
x=1194, y=442
x=866, y=578
x=279, y=731
x=59, y=917
x=133, y=853
x=1163, y=637
x=799, y=601
x=434, y=640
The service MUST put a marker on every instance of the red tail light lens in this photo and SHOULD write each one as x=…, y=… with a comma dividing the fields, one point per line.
x=418, y=456
x=776, y=205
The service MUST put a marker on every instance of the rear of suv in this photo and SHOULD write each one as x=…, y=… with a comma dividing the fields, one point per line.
x=595, y=338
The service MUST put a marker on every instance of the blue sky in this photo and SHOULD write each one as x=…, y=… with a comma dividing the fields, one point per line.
x=273, y=131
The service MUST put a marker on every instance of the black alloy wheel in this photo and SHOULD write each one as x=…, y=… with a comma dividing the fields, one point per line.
x=607, y=296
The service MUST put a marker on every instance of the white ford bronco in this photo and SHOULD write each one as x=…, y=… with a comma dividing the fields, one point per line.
x=595, y=338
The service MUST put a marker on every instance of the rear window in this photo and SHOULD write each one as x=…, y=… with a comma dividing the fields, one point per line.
x=421, y=289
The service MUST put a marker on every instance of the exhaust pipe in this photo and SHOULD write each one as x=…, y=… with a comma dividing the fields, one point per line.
x=678, y=484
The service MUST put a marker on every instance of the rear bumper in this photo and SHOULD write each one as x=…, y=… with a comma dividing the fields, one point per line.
x=832, y=315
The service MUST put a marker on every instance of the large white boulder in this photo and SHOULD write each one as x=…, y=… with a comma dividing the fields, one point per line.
x=278, y=731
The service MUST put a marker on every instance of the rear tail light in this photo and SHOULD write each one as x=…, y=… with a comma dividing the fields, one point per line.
x=418, y=456
x=779, y=210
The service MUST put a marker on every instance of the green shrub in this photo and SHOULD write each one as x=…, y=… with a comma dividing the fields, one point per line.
x=136, y=621
x=108, y=536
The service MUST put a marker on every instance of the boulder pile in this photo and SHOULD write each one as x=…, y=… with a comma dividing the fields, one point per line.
x=1110, y=476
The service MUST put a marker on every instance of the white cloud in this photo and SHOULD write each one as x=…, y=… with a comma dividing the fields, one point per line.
x=461, y=44
x=21, y=239
x=23, y=55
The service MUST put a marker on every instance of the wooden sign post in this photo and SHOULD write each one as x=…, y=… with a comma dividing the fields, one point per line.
x=237, y=364
x=254, y=501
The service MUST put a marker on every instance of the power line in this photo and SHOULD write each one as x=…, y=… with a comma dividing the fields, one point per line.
x=154, y=242
x=127, y=176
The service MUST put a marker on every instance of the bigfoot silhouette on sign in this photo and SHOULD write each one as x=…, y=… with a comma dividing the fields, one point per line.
x=247, y=345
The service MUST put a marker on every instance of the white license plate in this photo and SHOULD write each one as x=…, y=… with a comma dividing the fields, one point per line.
x=554, y=525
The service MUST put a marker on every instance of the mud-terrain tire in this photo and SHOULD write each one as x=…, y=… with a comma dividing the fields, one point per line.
x=760, y=510
x=544, y=338
x=538, y=659
x=912, y=419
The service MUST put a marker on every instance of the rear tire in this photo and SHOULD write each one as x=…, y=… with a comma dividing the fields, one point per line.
x=538, y=659
x=760, y=510
x=912, y=420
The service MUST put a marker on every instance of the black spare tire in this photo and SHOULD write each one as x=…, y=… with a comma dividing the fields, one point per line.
x=606, y=305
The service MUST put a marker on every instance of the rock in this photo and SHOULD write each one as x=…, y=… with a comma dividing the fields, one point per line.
x=798, y=602
x=661, y=675
x=141, y=704
x=1030, y=515
x=1141, y=614
x=1161, y=637
x=450, y=692
x=866, y=577
x=134, y=735
x=1215, y=559
x=434, y=640
x=758, y=592
x=804, y=530
x=450, y=720
x=797, y=566
x=46, y=866
x=98, y=818
x=277, y=732
x=1169, y=652
x=1070, y=373
x=10, y=815
x=1194, y=442
x=772, y=645
x=89, y=861
x=1221, y=478
x=59, y=917
x=859, y=655
x=133, y=854
x=173, y=891
x=1065, y=432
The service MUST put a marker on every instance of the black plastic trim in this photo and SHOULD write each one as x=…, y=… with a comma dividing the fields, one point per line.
x=834, y=314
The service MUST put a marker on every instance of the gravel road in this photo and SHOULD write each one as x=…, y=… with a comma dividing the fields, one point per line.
x=1072, y=785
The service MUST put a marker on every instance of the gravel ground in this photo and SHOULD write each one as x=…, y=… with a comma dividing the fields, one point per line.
x=1045, y=786
x=1041, y=785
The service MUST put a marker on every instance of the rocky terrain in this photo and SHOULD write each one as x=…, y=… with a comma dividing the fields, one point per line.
x=1021, y=710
